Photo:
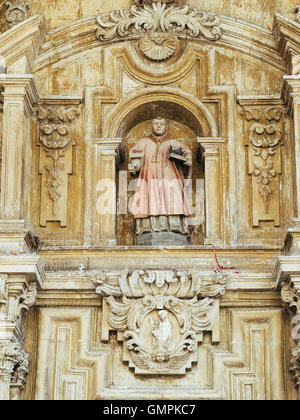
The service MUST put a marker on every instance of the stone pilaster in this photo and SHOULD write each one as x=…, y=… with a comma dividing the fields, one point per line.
x=108, y=155
x=211, y=153
x=291, y=94
x=19, y=96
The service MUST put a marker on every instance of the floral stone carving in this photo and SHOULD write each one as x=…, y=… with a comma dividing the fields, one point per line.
x=160, y=25
x=160, y=315
x=264, y=139
x=55, y=161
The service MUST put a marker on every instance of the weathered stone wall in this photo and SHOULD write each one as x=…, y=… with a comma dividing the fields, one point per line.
x=258, y=12
x=77, y=297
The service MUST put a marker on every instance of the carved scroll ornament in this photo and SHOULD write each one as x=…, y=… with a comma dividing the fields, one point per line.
x=160, y=315
x=160, y=25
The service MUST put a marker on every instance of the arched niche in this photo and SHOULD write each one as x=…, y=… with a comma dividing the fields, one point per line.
x=182, y=125
x=169, y=110
x=170, y=103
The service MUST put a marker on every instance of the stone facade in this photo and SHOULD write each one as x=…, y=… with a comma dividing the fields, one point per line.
x=85, y=313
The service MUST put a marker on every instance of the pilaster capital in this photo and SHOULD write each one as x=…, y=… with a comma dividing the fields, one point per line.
x=211, y=145
x=111, y=146
x=291, y=90
x=20, y=86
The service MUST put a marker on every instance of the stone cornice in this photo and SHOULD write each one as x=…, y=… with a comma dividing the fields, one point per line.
x=24, y=39
x=287, y=36
x=29, y=265
x=18, y=85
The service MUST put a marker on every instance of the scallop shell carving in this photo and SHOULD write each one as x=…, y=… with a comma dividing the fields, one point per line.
x=159, y=47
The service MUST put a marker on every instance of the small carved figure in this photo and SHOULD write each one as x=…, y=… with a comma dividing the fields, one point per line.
x=162, y=332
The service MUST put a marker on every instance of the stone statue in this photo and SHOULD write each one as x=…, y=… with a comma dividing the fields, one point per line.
x=159, y=205
x=162, y=333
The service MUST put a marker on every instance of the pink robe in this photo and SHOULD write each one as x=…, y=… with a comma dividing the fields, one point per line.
x=160, y=188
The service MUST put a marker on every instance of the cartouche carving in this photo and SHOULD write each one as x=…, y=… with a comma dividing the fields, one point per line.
x=161, y=315
x=157, y=20
x=56, y=161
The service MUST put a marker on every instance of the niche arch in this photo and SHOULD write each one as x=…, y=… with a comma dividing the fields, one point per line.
x=171, y=103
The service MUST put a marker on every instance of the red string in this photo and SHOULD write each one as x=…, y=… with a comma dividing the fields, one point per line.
x=221, y=267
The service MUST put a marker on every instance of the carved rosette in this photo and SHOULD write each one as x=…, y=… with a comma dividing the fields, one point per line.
x=55, y=126
x=264, y=157
x=160, y=315
x=159, y=25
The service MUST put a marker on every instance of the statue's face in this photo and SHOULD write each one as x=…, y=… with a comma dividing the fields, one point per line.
x=159, y=127
x=162, y=315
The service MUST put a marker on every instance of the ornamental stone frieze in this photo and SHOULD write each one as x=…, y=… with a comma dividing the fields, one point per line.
x=160, y=316
x=159, y=26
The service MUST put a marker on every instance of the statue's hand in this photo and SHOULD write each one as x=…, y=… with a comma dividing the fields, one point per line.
x=189, y=161
x=134, y=167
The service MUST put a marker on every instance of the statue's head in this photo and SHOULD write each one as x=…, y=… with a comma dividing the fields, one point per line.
x=163, y=315
x=159, y=126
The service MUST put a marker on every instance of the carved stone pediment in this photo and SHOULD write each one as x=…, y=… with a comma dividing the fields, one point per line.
x=159, y=25
x=160, y=315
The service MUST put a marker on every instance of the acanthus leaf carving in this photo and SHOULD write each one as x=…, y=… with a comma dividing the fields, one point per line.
x=14, y=364
x=161, y=314
x=159, y=25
